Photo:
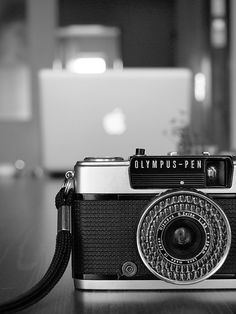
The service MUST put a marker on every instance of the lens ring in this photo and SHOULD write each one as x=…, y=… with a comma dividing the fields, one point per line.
x=200, y=210
x=184, y=237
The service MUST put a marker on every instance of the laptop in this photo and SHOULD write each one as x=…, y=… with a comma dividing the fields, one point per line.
x=111, y=114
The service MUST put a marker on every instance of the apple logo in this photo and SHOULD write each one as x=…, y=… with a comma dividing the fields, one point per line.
x=114, y=122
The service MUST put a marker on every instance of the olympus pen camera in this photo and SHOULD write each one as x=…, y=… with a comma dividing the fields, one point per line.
x=155, y=222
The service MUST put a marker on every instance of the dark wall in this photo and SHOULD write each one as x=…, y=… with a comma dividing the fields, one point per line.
x=148, y=27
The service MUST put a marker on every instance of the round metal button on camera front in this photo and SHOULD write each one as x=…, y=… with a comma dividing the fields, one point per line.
x=183, y=237
x=129, y=269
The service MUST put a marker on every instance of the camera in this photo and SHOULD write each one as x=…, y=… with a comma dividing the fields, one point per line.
x=154, y=222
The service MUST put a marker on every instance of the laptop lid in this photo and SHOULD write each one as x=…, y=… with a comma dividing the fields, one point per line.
x=111, y=114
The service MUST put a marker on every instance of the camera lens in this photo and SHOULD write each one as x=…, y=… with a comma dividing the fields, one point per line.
x=183, y=237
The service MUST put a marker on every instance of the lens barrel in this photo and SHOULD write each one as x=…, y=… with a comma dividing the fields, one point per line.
x=183, y=236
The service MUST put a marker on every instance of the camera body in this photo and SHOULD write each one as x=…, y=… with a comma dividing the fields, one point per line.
x=154, y=222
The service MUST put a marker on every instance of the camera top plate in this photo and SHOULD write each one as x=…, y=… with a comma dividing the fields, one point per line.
x=154, y=174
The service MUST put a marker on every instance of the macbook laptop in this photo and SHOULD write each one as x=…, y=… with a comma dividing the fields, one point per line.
x=110, y=114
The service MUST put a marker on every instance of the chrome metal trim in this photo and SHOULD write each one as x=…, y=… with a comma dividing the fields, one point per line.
x=103, y=159
x=102, y=162
x=113, y=178
x=64, y=218
x=151, y=285
x=68, y=181
x=210, y=273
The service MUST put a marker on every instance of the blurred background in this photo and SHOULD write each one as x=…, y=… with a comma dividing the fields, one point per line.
x=64, y=34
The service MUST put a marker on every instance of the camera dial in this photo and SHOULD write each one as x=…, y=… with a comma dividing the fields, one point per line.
x=103, y=159
x=183, y=237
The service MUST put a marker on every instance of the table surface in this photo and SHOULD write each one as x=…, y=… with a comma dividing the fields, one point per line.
x=27, y=243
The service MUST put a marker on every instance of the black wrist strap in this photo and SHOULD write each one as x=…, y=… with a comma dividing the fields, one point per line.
x=56, y=269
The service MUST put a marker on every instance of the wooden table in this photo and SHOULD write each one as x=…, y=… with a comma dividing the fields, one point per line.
x=27, y=241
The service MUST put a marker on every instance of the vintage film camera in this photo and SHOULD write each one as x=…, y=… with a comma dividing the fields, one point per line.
x=154, y=222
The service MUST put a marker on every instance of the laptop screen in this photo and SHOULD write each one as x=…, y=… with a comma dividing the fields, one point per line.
x=110, y=114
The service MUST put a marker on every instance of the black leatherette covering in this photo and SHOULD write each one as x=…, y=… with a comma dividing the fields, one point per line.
x=104, y=236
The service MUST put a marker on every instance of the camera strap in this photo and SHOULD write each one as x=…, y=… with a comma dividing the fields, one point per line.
x=63, y=202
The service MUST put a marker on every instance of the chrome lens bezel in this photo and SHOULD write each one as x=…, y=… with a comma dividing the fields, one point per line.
x=157, y=208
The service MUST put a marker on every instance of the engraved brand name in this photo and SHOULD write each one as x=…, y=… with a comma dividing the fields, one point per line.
x=168, y=164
